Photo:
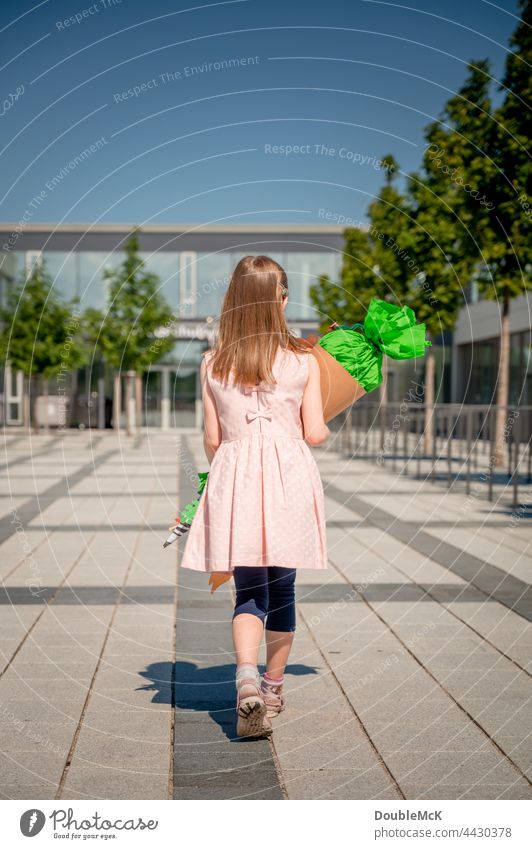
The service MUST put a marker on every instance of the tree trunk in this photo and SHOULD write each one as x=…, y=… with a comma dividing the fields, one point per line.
x=34, y=383
x=26, y=417
x=503, y=385
x=117, y=402
x=74, y=396
x=46, y=419
x=138, y=399
x=430, y=373
x=101, y=396
x=130, y=403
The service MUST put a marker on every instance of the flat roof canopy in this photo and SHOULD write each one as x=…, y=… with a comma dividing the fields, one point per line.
x=250, y=238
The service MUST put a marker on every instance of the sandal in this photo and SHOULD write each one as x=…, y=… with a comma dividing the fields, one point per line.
x=273, y=698
x=251, y=709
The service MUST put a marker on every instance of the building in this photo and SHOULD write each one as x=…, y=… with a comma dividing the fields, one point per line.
x=476, y=345
x=193, y=264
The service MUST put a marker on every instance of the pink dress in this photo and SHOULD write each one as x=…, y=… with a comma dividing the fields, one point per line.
x=263, y=504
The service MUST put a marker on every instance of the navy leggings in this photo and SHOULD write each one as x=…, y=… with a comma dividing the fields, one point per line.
x=267, y=592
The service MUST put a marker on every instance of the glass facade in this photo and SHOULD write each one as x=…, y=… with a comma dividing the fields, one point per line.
x=165, y=264
x=478, y=367
x=521, y=369
x=194, y=284
x=213, y=271
x=90, y=283
x=303, y=270
x=11, y=269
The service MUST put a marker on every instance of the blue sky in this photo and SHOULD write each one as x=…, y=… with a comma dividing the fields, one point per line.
x=165, y=112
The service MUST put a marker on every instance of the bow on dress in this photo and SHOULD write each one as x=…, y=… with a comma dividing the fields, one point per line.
x=251, y=415
x=266, y=413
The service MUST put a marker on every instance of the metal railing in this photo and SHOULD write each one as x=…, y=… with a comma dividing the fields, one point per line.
x=454, y=442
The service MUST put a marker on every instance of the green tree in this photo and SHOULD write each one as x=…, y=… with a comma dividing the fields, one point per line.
x=465, y=217
x=390, y=241
x=390, y=236
x=483, y=156
x=444, y=222
x=450, y=209
x=368, y=269
x=372, y=266
x=506, y=240
x=412, y=249
x=41, y=336
x=345, y=300
x=134, y=331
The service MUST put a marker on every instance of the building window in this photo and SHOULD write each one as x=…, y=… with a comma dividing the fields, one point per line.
x=304, y=271
x=477, y=368
x=10, y=269
x=188, y=284
x=90, y=268
x=520, y=368
x=527, y=369
x=165, y=264
x=32, y=258
x=213, y=279
x=63, y=271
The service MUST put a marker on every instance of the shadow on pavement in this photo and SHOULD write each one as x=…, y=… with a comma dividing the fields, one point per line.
x=198, y=692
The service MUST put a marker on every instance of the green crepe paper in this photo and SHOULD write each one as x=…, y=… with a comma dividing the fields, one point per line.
x=189, y=510
x=387, y=329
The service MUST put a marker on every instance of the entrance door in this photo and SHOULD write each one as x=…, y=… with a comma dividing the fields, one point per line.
x=183, y=399
x=152, y=397
x=170, y=397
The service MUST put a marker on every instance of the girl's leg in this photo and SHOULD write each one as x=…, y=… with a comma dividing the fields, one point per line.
x=278, y=648
x=248, y=624
x=251, y=585
x=281, y=620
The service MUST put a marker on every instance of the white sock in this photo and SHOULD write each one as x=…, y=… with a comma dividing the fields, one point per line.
x=247, y=670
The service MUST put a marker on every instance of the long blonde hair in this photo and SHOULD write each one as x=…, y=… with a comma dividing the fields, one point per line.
x=253, y=324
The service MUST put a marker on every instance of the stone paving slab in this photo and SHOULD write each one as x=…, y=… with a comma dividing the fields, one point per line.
x=484, y=528
x=410, y=675
x=210, y=762
x=499, y=584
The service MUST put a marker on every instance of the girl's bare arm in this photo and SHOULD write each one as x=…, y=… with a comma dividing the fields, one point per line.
x=212, y=433
x=314, y=427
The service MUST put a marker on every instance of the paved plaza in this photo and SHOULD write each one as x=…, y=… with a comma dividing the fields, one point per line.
x=410, y=675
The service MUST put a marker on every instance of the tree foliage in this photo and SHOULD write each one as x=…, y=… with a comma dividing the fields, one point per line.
x=133, y=332
x=41, y=335
x=464, y=215
x=507, y=243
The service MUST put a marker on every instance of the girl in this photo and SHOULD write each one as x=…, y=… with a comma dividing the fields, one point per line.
x=261, y=516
